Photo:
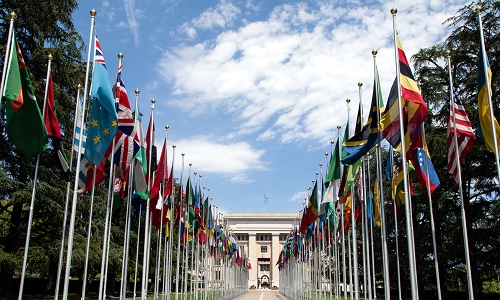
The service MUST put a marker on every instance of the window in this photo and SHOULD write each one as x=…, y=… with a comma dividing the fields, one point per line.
x=242, y=237
x=264, y=237
x=283, y=237
x=263, y=249
x=264, y=268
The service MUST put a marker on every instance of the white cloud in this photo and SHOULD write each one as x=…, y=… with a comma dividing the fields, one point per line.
x=132, y=15
x=299, y=196
x=232, y=160
x=287, y=77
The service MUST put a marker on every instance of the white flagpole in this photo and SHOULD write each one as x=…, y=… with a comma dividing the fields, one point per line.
x=396, y=231
x=33, y=193
x=75, y=186
x=385, y=255
x=460, y=187
x=66, y=205
x=89, y=230
x=368, y=285
x=145, y=258
x=181, y=204
x=8, y=50
x=409, y=225
x=168, y=280
x=137, y=249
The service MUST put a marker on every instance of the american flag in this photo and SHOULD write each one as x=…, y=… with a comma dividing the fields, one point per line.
x=465, y=137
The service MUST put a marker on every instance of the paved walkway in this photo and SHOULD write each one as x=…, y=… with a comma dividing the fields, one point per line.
x=261, y=295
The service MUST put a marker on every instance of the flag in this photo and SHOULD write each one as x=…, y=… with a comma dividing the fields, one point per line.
x=54, y=131
x=266, y=200
x=151, y=146
x=24, y=127
x=327, y=199
x=311, y=213
x=86, y=175
x=412, y=104
x=123, y=111
x=141, y=186
x=334, y=169
x=80, y=129
x=422, y=163
x=390, y=164
x=376, y=203
x=359, y=144
x=399, y=190
x=483, y=106
x=103, y=121
x=465, y=137
x=158, y=180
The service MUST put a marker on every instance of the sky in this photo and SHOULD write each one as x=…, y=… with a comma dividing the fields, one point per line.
x=253, y=90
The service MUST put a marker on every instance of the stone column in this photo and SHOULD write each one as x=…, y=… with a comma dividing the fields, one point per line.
x=252, y=255
x=275, y=253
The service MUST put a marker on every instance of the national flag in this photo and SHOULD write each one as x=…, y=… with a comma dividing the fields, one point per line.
x=266, y=200
x=412, y=103
x=103, y=121
x=376, y=203
x=346, y=168
x=80, y=129
x=364, y=140
x=484, y=76
x=54, y=131
x=399, y=190
x=390, y=164
x=123, y=111
x=151, y=146
x=334, y=168
x=24, y=127
x=156, y=197
x=465, y=136
x=86, y=175
x=311, y=213
x=327, y=198
x=423, y=165
x=141, y=186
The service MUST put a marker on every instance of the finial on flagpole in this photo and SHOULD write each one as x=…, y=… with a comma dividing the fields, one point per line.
x=50, y=56
x=320, y=164
x=479, y=9
x=137, y=92
x=167, y=127
x=190, y=164
x=12, y=15
x=394, y=10
x=120, y=55
x=374, y=52
x=153, y=101
x=338, y=127
x=200, y=175
x=204, y=187
x=360, y=84
x=348, y=100
x=93, y=12
x=183, y=154
x=79, y=87
x=317, y=173
x=326, y=154
x=448, y=53
x=194, y=172
x=173, y=146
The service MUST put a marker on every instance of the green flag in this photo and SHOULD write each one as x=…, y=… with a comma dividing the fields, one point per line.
x=25, y=127
x=334, y=170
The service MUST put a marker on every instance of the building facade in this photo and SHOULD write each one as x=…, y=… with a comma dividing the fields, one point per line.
x=262, y=236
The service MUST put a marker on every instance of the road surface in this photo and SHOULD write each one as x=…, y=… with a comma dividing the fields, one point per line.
x=261, y=295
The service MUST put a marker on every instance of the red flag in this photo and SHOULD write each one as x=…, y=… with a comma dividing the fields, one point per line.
x=51, y=122
x=91, y=181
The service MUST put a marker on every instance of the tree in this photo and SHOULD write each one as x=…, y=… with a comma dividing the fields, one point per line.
x=41, y=27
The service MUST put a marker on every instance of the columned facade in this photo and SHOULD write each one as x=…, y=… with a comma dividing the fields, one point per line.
x=262, y=235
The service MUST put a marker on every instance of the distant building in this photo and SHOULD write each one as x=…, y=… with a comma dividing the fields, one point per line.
x=262, y=235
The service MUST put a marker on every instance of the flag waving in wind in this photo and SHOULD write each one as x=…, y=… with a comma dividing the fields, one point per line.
x=364, y=140
x=465, y=136
x=24, y=127
x=103, y=121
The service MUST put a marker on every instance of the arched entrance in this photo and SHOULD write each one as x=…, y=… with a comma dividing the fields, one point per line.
x=264, y=282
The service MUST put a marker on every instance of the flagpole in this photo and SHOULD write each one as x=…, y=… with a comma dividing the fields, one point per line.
x=66, y=205
x=137, y=92
x=8, y=55
x=343, y=219
x=368, y=285
x=429, y=195
x=459, y=172
x=385, y=252
x=168, y=280
x=179, y=233
x=488, y=90
x=89, y=230
x=409, y=226
x=75, y=186
x=395, y=210
x=144, y=283
x=33, y=193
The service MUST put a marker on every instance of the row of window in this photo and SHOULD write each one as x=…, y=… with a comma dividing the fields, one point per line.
x=262, y=237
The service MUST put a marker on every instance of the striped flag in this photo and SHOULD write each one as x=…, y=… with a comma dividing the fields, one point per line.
x=125, y=118
x=465, y=137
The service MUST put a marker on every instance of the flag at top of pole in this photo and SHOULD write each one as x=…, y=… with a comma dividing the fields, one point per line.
x=103, y=121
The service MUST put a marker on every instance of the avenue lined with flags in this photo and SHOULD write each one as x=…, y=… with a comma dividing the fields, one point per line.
x=183, y=247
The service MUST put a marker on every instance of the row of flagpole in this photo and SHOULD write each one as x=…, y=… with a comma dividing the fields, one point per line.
x=225, y=269
x=295, y=259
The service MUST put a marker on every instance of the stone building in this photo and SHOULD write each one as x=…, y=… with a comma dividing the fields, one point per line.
x=262, y=235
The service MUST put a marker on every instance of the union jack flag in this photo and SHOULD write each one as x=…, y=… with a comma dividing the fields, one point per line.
x=125, y=118
x=465, y=137
x=98, y=57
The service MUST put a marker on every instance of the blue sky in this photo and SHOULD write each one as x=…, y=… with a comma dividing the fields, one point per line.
x=253, y=90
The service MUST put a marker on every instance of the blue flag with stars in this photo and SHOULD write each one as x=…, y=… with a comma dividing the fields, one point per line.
x=103, y=121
